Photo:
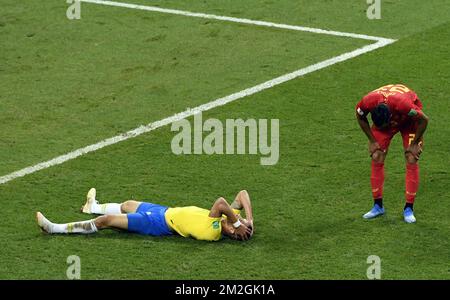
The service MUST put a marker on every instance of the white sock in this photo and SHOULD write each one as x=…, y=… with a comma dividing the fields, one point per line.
x=75, y=227
x=106, y=209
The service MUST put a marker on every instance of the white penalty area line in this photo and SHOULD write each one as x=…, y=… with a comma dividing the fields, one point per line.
x=381, y=42
x=235, y=20
x=190, y=112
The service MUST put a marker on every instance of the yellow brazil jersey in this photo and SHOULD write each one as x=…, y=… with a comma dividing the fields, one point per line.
x=192, y=221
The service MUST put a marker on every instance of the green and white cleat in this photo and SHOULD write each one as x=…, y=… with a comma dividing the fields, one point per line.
x=90, y=199
x=43, y=223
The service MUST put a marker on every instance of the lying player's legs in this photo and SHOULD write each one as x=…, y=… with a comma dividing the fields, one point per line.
x=90, y=226
x=127, y=207
x=130, y=206
x=151, y=222
x=149, y=219
x=112, y=221
x=92, y=206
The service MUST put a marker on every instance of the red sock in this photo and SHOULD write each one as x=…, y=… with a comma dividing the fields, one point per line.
x=412, y=182
x=377, y=179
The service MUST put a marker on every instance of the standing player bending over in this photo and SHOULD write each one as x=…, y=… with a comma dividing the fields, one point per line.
x=393, y=108
x=157, y=220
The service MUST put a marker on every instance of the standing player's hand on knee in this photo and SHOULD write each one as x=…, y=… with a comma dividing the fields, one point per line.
x=415, y=150
x=373, y=146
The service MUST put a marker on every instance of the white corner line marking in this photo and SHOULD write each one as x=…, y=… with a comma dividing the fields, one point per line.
x=235, y=20
x=190, y=112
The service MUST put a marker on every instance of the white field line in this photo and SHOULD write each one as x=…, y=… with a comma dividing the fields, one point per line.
x=190, y=112
x=235, y=20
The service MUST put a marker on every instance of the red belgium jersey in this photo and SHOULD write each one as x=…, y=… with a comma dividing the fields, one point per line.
x=402, y=102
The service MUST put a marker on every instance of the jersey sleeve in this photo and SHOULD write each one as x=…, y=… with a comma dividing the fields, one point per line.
x=360, y=109
x=235, y=211
x=415, y=113
x=409, y=109
x=366, y=104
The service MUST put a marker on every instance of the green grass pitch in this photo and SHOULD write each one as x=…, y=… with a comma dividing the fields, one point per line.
x=65, y=84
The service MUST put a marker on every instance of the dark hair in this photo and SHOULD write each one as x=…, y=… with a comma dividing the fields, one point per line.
x=381, y=115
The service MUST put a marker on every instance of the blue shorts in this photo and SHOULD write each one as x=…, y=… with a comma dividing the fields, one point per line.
x=149, y=219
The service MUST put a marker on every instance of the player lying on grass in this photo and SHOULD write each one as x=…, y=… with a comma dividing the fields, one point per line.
x=157, y=220
x=393, y=108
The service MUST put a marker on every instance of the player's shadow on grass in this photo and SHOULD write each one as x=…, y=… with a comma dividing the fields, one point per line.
x=116, y=234
x=356, y=225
